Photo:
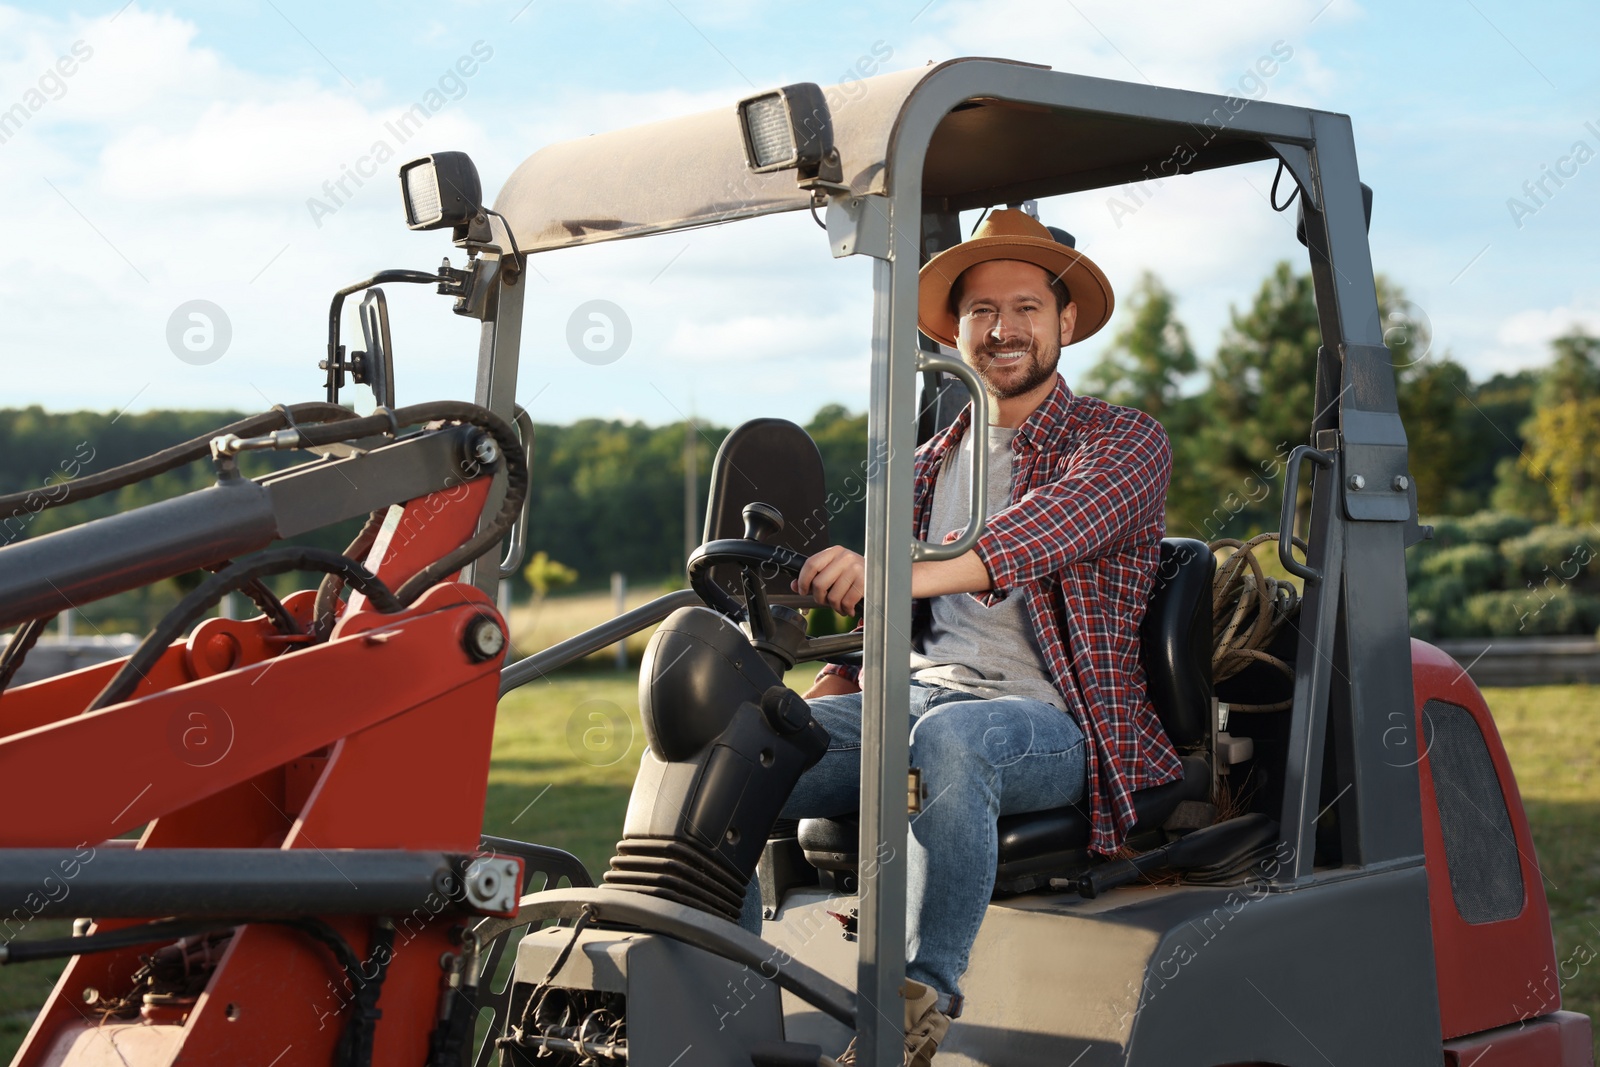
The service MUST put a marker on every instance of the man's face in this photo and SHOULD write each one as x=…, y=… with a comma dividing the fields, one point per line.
x=1009, y=328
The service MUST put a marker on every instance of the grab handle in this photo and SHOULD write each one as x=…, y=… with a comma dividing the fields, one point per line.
x=1291, y=500
x=927, y=550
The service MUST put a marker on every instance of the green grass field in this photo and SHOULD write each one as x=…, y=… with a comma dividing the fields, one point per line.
x=566, y=751
x=1552, y=735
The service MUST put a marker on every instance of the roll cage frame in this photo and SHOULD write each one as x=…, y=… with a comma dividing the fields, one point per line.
x=905, y=140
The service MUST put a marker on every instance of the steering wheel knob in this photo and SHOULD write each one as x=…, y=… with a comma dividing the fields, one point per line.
x=762, y=522
x=784, y=709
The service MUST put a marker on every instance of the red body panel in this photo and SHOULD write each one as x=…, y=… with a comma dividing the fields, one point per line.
x=378, y=738
x=1497, y=973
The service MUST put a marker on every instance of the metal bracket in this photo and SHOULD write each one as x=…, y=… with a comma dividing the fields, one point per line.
x=494, y=885
x=473, y=285
x=859, y=226
x=1377, y=482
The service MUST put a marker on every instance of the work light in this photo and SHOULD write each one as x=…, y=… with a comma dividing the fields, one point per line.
x=440, y=190
x=787, y=129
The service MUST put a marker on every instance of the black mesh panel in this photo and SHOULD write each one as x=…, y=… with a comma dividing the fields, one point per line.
x=1479, y=846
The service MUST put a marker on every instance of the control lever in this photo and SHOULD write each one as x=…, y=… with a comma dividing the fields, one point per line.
x=762, y=522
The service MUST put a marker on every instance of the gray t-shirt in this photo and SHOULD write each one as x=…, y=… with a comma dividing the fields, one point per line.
x=985, y=651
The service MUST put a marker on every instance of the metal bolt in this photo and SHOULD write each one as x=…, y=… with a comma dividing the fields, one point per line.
x=485, y=450
x=1401, y=483
x=484, y=639
x=1357, y=482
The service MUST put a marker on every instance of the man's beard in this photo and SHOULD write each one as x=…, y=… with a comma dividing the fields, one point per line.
x=1027, y=374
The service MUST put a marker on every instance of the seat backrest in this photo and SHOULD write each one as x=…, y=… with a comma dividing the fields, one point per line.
x=775, y=462
x=1176, y=637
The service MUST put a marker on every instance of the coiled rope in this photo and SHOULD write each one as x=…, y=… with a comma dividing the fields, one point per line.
x=1248, y=608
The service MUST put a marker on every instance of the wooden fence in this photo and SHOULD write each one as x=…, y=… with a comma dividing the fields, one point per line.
x=1516, y=661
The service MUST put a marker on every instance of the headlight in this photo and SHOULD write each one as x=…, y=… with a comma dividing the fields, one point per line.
x=786, y=129
x=440, y=190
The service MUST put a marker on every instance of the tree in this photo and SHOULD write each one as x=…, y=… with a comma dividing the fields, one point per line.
x=1144, y=368
x=1573, y=372
x=1149, y=357
x=547, y=575
x=1258, y=405
x=1564, y=433
x=1493, y=477
x=608, y=496
x=1444, y=434
x=842, y=441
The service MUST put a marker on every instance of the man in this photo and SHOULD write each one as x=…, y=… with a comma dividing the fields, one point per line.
x=1027, y=689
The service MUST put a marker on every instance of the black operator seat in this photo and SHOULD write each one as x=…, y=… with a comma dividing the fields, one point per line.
x=775, y=462
x=1176, y=649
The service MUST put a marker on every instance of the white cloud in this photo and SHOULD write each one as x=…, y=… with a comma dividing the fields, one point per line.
x=1522, y=340
x=1173, y=43
x=177, y=173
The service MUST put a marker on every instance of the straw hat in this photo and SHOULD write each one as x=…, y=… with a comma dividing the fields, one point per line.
x=1010, y=234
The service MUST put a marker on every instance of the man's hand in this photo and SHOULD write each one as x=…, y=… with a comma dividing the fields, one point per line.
x=836, y=577
x=831, y=685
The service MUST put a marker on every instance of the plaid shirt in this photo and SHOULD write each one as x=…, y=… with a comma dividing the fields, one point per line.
x=1082, y=534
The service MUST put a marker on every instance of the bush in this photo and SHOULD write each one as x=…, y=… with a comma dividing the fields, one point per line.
x=1477, y=566
x=1496, y=574
x=1492, y=527
x=546, y=574
x=1528, y=613
x=1448, y=530
x=1563, y=554
x=1439, y=595
x=1424, y=624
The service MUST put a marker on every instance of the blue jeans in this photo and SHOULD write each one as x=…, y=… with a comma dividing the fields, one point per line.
x=980, y=759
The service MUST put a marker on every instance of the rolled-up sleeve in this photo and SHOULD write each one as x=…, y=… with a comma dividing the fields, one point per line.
x=843, y=670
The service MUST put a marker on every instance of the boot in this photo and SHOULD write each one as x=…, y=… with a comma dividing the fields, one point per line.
x=925, y=1027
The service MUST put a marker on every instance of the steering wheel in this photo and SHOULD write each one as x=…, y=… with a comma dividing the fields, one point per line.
x=759, y=561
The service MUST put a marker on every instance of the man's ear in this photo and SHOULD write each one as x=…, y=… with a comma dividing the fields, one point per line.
x=1069, y=321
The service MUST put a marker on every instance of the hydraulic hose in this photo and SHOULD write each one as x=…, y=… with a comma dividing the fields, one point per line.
x=231, y=577
x=93, y=485
x=510, y=449
x=22, y=642
x=325, y=608
x=246, y=574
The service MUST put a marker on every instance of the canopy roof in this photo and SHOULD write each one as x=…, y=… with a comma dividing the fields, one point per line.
x=1023, y=132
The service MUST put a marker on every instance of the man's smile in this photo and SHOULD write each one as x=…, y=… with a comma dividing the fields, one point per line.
x=1006, y=357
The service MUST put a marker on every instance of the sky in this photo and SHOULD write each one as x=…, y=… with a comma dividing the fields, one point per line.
x=174, y=160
